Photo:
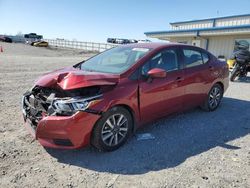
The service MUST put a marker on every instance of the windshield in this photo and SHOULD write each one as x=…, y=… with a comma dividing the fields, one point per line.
x=115, y=60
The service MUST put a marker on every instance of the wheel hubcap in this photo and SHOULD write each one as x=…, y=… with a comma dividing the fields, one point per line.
x=214, y=97
x=114, y=129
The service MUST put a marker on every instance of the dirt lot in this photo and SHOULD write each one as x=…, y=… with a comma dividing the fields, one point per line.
x=192, y=149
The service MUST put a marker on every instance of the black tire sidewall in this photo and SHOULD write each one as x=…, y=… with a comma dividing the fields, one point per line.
x=96, y=139
x=221, y=95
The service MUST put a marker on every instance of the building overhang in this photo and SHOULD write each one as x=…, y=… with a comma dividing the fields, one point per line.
x=204, y=32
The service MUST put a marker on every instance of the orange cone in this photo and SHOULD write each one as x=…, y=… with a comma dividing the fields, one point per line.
x=1, y=49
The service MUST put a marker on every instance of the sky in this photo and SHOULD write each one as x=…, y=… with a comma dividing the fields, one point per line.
x=97, y=20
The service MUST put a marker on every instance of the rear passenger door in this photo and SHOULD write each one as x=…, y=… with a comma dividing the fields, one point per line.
x=196, y=76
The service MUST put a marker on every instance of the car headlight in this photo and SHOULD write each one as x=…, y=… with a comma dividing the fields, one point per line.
x=72, y=105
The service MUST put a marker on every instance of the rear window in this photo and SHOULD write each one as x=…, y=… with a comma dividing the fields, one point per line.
x=205, y=57
x=192, y=58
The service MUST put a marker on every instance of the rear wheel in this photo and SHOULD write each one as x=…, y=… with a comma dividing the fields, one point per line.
x=112, y=130
x=214, y=98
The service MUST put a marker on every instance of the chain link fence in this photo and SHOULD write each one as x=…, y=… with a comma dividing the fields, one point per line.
x=88, y=46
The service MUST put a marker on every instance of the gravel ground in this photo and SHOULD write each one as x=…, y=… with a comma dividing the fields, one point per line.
x=191, y=149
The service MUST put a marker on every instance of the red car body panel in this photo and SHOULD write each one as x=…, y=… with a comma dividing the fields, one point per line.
x=147, y=101
x=71, y=78
x=76, y=128
x=163, y=95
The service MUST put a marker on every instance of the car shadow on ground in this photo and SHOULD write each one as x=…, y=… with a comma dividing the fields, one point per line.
x=177, y=138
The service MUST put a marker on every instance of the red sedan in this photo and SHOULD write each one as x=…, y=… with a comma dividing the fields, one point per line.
x=103, y=100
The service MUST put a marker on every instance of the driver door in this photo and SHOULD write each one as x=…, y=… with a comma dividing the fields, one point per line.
x=161, y=96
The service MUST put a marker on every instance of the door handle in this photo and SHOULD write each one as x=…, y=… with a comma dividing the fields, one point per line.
x=179, y=79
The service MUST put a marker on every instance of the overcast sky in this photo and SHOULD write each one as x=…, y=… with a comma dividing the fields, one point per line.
x=96, y=20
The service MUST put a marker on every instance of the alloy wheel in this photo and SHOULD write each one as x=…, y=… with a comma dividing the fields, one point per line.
x=114, y=129
x=214, y=97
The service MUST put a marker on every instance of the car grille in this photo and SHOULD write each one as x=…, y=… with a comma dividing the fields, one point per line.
x=30, y=113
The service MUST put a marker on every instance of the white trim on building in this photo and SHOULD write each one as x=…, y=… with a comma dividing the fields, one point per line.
x=217, y=35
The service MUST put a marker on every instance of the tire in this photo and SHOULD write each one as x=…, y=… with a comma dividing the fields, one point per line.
x=235, y=73
x=112, y=130
x=243, y=73
x=213, y=99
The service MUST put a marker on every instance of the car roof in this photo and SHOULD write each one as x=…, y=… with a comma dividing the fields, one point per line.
x=154, y=45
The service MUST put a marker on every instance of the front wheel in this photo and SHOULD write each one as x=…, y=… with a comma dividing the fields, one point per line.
x=112, y=130
x=214, y=98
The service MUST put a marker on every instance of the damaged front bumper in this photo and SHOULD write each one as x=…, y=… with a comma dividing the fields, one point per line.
x=57, y=131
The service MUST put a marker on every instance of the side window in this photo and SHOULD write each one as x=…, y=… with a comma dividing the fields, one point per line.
x=192, y=58
x=166, y=59
x=205, y=57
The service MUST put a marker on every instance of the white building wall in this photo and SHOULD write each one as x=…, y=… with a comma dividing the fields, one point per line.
x=188, y=40
x=218, y=45
x=194, y=25
x=224, y=45
x=233, y=21
x=219, y=22
x=221, y=42
x=221, y=46
x=184, y=40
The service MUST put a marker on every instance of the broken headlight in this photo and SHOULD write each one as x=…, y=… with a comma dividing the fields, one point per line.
x=72, y=105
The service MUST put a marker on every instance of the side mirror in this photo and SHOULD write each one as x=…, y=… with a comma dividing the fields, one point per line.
x=157, y=73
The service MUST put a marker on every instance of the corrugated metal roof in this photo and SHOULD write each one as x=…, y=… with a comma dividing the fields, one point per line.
x=210, y=19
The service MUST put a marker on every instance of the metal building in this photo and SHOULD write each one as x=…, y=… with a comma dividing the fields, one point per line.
x=217, y=35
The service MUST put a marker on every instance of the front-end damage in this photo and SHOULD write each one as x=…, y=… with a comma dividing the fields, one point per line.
x=40, y=102
x=56, y=114
x=64, y=105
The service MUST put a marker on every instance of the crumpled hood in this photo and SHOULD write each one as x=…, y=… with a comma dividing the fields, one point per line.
x=72, y=78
